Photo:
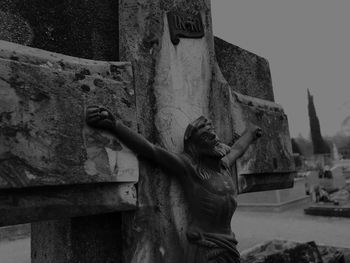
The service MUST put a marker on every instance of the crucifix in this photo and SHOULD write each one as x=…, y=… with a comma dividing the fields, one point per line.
x=187, y=83
x=203, y=169
x=55, y=167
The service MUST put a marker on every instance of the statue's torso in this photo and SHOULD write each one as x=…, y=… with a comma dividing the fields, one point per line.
x=212, y=201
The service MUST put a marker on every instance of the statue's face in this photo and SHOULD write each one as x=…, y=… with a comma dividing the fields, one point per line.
x=208, y=143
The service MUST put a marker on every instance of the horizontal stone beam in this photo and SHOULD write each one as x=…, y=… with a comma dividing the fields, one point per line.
x=52, y=165
x=43, y=136
x=19, y=206
x=119, y=71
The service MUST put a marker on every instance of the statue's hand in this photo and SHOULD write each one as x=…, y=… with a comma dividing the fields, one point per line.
x=255, y=130
x=99, y=117
x=258, y=133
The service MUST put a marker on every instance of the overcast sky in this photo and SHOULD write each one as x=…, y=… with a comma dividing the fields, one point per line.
x=307, y=44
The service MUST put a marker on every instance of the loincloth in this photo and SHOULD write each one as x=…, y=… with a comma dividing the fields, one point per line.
x=211, y=248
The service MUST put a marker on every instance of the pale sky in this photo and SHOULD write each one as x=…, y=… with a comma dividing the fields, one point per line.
x=307, y=44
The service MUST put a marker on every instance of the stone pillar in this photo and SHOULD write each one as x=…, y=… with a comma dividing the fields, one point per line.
x=172, y=85
x=92, y=239
x=86, y=29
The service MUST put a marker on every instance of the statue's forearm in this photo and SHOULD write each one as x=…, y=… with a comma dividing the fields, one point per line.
x=243, y=143
x=239, y=147
x=134, y=141
x=169, y=162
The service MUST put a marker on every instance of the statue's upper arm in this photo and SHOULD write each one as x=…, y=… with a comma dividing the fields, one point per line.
x=227, y=161
x=170, y=162
x=231, y=158
x=238, y=149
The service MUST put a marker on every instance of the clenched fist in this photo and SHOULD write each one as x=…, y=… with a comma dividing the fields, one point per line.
x=255, y=130
x=100, y=117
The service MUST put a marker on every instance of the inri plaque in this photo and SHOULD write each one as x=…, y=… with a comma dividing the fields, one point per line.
x=185, y=25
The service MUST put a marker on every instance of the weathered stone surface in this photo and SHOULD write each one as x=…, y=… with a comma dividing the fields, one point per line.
x=268, y=164
x=181, y=86
x=43, y=138
x=86, y=29
x=247, y=73
x=273, y=152
x=165, y=75
x=118, y=71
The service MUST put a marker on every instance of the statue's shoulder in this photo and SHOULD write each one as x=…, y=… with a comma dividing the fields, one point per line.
x=188, y=162
x=225, y=164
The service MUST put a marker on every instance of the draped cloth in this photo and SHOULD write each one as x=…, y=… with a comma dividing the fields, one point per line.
x=211, y=248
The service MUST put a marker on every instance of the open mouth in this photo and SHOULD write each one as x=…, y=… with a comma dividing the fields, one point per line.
x=217, y=142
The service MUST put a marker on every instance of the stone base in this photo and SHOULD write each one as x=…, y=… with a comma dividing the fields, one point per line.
x=277, y=207
x=328, y=210
x=275, y=200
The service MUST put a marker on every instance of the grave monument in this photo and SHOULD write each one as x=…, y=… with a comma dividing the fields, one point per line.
x=87, y=195
x=204, y=172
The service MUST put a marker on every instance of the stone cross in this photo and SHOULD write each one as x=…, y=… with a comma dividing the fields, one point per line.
x=53, y=167
x=185, y=82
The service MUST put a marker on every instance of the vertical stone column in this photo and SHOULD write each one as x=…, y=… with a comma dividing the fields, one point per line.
x=172, y=87
x=87, y=29
x=92, y=239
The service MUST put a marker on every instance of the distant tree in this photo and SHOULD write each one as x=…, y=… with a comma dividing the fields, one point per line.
x=295, y=147
x=305, y=145
x=319, y=145
x=340, y=139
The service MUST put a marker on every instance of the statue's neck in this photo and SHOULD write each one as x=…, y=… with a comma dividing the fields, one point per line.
x=212, y=163
x=206, y=166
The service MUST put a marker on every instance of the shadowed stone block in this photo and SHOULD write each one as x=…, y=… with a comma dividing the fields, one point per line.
x=246, y=72
x=18, y=206
x=81, y=28
x=93, y=239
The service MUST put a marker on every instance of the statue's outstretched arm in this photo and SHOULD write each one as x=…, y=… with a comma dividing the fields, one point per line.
x=252, y=133
x=99, y=117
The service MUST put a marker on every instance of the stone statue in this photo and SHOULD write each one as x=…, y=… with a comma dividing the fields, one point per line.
x=203, y=170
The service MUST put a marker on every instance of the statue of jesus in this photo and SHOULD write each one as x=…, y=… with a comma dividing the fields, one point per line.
x=203, y=170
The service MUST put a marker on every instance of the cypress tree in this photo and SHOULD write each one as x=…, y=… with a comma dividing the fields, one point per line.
x=319, y=145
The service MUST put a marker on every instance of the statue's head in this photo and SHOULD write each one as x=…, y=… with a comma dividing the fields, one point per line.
x=201, y=140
